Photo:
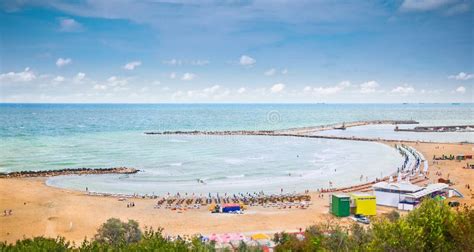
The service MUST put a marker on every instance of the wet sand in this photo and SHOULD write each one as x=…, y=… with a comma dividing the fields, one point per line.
x=42, y=210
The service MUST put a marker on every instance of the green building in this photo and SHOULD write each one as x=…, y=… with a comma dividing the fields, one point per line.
x=340, y=205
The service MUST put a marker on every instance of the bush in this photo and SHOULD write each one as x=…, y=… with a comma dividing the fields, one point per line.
x=434, y=219
x=433, y=226
x=462, y=229
x=115, y=232
x=393, y=215
x=38, y=244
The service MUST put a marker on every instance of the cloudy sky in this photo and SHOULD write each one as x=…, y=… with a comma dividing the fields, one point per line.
x=236, y=51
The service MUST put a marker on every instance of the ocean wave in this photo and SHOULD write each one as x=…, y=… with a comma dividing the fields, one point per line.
x=177, y=141
x=256, y=158
x=235, y=176
x=234, y=161
x=176, y=164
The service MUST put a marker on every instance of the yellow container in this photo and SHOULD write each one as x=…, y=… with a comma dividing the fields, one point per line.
x=365, y=204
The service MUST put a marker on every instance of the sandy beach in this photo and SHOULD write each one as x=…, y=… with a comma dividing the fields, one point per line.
x=39, y=210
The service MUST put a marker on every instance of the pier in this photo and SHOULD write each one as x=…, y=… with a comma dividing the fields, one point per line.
x=302, y=131
x=454, y=128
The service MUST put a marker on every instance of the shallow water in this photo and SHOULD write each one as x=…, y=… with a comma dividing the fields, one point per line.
x=57, y=136
x=236, y=164
x=388, y=132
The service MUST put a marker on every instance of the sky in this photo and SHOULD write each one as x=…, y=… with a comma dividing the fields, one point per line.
x=261, y=51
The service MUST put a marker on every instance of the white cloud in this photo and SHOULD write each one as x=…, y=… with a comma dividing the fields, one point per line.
x=188, y=76
x=63, y=62
x=69, y=25
x=241, y=90
x=25, y=76
x=59, y=79
x=247, y=60
x=119, y=89
x=172, y=62
x=199, y=62
x=461, y=90
x=270, y=72
x=132, y=65
x=461, y=76
x=79, y=77
x=114, y=81
x=284, y=71
x=423, y=5
x=277, y=88
x=214, y=92
x=458, y=9
x=173, y=75
x=100, y=87
x=404, y=90
x=345, y=84
x=177, y=62
x=328, y=90
x=369, y=87
x=211, y=90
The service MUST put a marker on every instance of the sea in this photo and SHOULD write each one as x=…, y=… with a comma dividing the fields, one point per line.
x=57, y=136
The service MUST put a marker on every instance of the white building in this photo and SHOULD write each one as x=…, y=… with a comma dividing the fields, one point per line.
x=405, y=196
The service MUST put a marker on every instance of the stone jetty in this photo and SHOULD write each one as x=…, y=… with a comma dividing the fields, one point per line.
x=302, y=131
x=69, y=171
x=454, y=128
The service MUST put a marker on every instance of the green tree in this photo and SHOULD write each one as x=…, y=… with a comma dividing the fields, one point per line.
x=393, y=215
x=38, y=244
x=462, y=229
x=396, y=236
x=434, y=219
x=359, y=237
x=115, y=232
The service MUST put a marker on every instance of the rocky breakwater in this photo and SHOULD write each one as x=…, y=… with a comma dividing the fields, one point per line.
x=69, y=171
x=301, y=131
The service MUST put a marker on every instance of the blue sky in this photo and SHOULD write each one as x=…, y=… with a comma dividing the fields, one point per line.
x=236, y=51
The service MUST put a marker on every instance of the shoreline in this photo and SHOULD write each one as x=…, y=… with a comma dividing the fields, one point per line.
x=39, y=209
x=362, y=186
x=125, y=170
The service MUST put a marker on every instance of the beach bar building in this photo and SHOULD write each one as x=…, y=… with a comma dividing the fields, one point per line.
x=364, y=204
x=405, y=196
x=340, y=205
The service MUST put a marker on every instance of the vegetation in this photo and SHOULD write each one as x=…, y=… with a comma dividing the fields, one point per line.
x=433, y=226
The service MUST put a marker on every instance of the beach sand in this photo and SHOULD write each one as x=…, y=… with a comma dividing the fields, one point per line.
x=39, y=210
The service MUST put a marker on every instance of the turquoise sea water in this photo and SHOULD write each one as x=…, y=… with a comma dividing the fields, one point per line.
x=42, y=136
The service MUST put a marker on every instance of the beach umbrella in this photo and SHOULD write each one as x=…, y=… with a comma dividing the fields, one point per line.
x=260, y=236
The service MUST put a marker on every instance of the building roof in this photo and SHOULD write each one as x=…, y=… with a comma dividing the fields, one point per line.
x=428, y=190
x=401, y=186
x=362, y=194
x=340, y=195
